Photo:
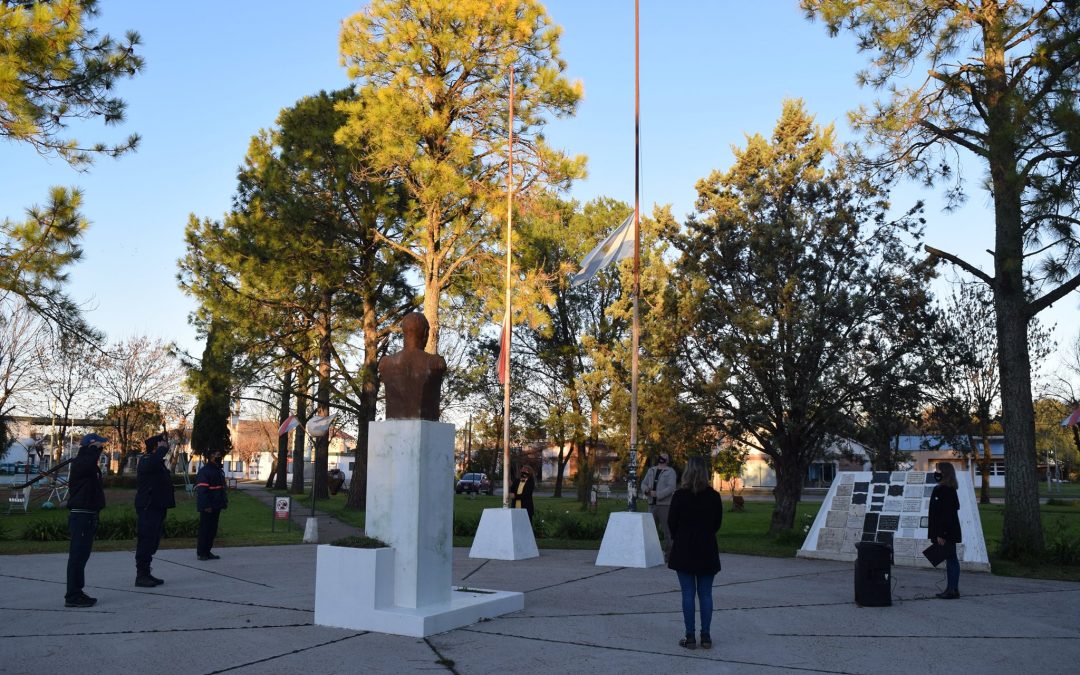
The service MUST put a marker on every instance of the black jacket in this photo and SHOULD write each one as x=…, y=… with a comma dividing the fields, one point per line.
x=944, y=515
x=85, y=489
x=694, y=520
x=525, y=500
x=154, y=486
x=210, y=488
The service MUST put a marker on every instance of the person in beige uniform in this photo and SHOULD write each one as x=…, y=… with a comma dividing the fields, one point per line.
x=658, y=486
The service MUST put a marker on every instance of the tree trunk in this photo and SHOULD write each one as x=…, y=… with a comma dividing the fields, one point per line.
x=560, y=467
x=984, y=466
x=368, y=399
x=432, y=292
x=322, y=401
x=281, y=472
x=789, y=482
x=297, y=487
x=1022, y=534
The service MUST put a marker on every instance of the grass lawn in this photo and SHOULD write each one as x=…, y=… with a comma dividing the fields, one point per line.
x=245, y=523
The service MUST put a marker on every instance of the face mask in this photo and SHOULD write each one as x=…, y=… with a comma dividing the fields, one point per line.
x=937, y=476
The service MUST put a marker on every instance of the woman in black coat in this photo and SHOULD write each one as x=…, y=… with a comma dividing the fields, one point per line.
x=694, y=519
x=522, y=491
x=944, y=526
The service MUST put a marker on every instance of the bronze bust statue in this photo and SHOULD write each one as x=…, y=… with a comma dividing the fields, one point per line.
x=413, y=378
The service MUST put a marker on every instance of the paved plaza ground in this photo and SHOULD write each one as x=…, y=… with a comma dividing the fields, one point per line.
x=252, y=612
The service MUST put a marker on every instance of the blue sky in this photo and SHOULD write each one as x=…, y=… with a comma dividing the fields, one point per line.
x=217, y=72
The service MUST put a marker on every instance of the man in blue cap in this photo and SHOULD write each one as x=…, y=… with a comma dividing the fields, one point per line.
x=86, y=498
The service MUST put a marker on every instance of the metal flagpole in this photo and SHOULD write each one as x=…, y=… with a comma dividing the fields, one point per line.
x=508, y=317
x=631, y=482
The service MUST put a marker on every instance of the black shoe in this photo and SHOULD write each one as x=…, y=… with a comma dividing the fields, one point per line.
x=706, y=641
x=688, y=642
x=949, y=595
x=81, y=600
x=157, y=582
x=209, y=556
x=145, y=581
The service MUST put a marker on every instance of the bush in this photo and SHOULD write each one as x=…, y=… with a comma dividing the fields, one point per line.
x=568, y=525
x=465, y=526
x=359, y=542
x=181, y=528
x=1063, y=502
x=1063, y=548
x=46, y=529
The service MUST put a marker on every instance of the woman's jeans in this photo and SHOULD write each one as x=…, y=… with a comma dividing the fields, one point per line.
x=700, y=584
x=952, y=567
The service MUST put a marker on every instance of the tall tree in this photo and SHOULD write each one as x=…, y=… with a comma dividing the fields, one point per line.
x=789, y=273
x=1000, y=86
x=212, y=385
x=56, y=69
x=300, y=267
x=434, y=87
x=68, y=368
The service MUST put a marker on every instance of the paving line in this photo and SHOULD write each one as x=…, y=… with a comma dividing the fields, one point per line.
x=687, y=655
x=155, y=630
x=284, y=654
x=442, y=660
x=215, y=573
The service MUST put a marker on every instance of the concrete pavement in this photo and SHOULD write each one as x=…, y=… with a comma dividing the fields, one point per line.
x=252, y=611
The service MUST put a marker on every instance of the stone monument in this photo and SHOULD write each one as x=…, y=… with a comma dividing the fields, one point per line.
x=406, y=589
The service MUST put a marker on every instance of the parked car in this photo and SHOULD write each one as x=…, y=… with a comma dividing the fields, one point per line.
x=475, y=482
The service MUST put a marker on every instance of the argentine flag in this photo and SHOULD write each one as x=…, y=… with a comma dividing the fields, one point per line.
x=618, y=246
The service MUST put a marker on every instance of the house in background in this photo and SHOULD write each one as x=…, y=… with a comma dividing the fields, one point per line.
x=255, y=449
x=927, y=450
x=841, y=455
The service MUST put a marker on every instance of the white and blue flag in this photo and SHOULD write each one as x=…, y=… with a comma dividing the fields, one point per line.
x=619, y=245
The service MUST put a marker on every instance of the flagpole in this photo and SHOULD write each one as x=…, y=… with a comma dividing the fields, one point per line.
x=508, y=316
x=631, y=482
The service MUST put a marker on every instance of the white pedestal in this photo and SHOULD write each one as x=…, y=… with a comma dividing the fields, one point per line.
x=404, y=589
x=630, y=540
x=504, y=534
x=354, y=590
x=311, y=531
x=410, y=505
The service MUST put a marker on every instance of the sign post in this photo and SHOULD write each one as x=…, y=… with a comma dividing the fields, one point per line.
x=282, y=511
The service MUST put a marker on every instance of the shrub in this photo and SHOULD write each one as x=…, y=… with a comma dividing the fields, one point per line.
x=465, y=526
x=118, y=526
x=1062, y=547
x=1055, y=501
x=181, y=528
x=46, y=529
x=359, y=542
x=568, y=525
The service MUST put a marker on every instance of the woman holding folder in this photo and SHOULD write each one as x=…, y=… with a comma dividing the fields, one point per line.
x=944, y=525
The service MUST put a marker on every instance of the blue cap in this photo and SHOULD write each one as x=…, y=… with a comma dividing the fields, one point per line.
x=89, y=439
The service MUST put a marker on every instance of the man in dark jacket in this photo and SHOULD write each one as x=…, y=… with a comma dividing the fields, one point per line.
x=86, y=498
x=153, y=497
x=210, y=500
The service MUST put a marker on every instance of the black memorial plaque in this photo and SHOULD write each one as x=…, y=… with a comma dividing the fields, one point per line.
x=880, y=489
x=880, y=477
x=859, y=498
x=889, y=523
x=870, y=522
x=862, y=487
x=885, y=538
x=896, y=490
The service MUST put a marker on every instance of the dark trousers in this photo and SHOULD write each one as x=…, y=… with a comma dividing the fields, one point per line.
x=82, y=527
x=150, y=525
x=952, y=567
x=699, y=585
x=208, y=523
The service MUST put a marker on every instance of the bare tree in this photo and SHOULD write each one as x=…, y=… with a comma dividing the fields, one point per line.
x=140, y=382
x=68, y=365
x=20, y=332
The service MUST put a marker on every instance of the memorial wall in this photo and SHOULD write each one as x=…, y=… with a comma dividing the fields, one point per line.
x=890, y=507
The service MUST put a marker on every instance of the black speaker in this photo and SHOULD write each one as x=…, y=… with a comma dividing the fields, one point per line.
x=873, y=574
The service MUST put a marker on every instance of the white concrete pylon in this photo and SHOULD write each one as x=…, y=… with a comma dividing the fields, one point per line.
x=630, y=540
x=311, y=531
x=504, y=534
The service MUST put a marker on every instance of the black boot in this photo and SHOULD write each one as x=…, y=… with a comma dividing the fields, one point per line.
x=144, y=579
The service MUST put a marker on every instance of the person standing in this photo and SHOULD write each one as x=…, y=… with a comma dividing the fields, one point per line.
x=86, y=499
x=210, y=500
x=694, y=519
x=658, y=486
x=153, y=498
x=944, y=525
x=523, y=491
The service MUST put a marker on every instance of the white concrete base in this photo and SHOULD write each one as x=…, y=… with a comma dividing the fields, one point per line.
x=311, y=531
x=630, y=540
x=354, y=589
x=504, y=534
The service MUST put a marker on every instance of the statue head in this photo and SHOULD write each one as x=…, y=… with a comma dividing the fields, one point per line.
x=415, y=328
